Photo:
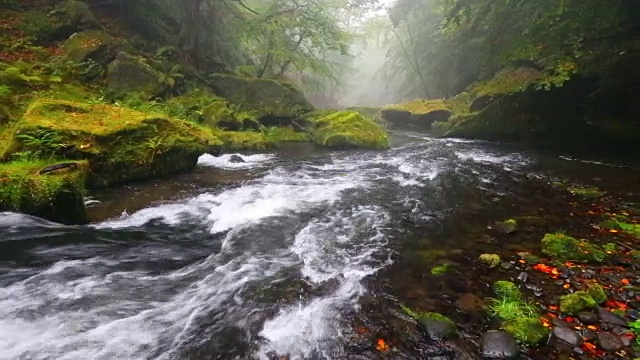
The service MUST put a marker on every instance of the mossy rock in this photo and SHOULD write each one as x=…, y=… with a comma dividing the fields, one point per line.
x=120, y=144
x=265, y=99
x=345, y=129
x=417, y=114
x=507, y=290
x=129, y=74
x=597, y=293
x=70, y=17
x=47, y=189
x=439, y=270
x=219, y=113
x=566, y=248
x=242, y=140
x=528, y=331
x=489, y=260
x=91, y=45
x=574, y=303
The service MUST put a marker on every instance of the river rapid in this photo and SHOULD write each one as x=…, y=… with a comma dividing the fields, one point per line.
x=275, y=263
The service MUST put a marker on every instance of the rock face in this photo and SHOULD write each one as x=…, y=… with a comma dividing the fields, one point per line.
x=119, y=144
x=416, y=114
x=499, y=345
x=271, y=102
x=130, y=74
x=91, y=45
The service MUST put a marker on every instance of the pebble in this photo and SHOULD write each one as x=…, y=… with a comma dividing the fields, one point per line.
x=499, y=345
x=567, y=335
x=507, y=265
x=609, y=317
x=610, y=342
x=523, y=276
x=588, y=335
x=634, y=314
x=469, y=302
x=588, y=317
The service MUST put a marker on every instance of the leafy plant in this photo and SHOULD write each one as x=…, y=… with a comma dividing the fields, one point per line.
x=40, y=144
x=635, y=328
x=509, y=309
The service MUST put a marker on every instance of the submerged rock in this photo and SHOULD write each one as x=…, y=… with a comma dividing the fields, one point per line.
x=566, y=248
x=573, y=304
x=528, y=331
x=236, y=159
x=469, y=302
x=499, y=345
x=119, y=144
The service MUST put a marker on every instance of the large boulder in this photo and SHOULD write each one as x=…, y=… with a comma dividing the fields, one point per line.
x=120, y=144
x=417, y=114
x=71, y=17
x=131, y=74
x=271, y=102
x=345, y=129
x=91, y=45
x=47, y=189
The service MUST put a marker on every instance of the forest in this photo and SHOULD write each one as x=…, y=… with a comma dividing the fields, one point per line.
x=104, y=96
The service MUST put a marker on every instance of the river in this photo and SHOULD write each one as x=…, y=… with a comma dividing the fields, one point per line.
x=275, y=262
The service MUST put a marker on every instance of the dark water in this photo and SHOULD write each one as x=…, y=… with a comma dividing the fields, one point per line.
x=291, y=253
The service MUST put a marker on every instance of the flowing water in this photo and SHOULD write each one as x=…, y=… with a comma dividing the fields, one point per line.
x=275, y=263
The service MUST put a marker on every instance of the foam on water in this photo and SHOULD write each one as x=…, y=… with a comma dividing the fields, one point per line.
x=223, y=161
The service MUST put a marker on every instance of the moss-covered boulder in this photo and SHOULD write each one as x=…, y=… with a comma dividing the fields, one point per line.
x=345, y=129
x=48, y=189
x=120, y=144
x=489, y=260
x=574, y=303
x=70, y=17
x=129, y=74
x=566, y=248
x=416, y=114
x=271, y=102
x=528, y=331
x=221, y=114
x=597, y=293
x=91, y=45
x=507, y=290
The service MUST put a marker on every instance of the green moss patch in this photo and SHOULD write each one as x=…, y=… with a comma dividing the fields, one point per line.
x=347, y=129
x=439, y=269
x=508, y=81
x=425, y=315
x=566, y=248
x=507, y=289
x=528, y=331
x=574, y=303
x=621, y=223
x=242, y=140
x=419, y=114
x=120, y=144
x=58, y=195
x=489, y=260
x=590, y=192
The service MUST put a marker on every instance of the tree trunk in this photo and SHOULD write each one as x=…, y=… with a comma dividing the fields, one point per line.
x=190, y=32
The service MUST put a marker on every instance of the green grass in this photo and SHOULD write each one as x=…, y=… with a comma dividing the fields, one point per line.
x=510, y=309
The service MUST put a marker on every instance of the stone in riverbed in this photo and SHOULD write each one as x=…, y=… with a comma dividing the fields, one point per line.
x=567, y=335
x=574, y=303
x=469, y=302
x=489, y=260
x=236, y=159
x=609, y=317
x=588, y=317
x=499, y=345
x=610, y=342
x=437, y=326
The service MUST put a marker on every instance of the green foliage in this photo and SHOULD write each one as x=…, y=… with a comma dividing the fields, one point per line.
x=347, y=129
x=635, y=328
x=597, y=293
x=39, y=144
x=507, y=290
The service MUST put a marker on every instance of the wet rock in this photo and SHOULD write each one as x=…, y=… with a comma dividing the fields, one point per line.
x=469, y=302
x=236, y=159
x=131, y=74
x=609, y=317
x=588, y=317
x=438, y=329
x=567, y=335
x=499, y=345
x=634, y=314
x=523, y=276
x=588, y=335
x=508, y=265
x=489, y=260
x=610, y=342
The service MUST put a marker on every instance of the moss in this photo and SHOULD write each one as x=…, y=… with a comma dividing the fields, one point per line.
x=420, y=106
x=129, y=74
x=507, y=289
x=528, y=331
x=419, y=113
x=578, y=301
x=597, y=293
x=371, y=113
x=121, y=144
x=242, y=140
x=507, y=81
x=620, y=223
x=509, y=226
x=56, y=195
x=346, y=129
x=275, y=135
x=566, y=248
x=489, y=260
x=94, y=45
x=439, y=269
x=425, y=315
x=590, y=192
